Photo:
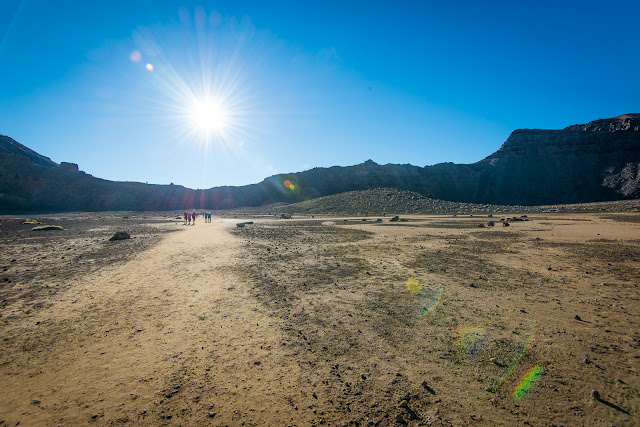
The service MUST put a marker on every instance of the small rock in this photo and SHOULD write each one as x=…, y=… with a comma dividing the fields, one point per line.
x=47, y=227
x=577, y=318
x=404, y=404
x=119, y=235
x=31, y=222
x=212, y=414
x=400, y=419
x=595, y=394
x=426, y=387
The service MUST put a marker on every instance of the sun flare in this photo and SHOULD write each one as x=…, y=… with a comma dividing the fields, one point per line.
x=208, y=116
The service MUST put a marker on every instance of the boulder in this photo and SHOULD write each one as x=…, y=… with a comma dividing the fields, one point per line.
x=395, y=218
x=120, y=235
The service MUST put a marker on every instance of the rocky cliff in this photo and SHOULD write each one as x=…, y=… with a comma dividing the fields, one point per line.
x=572, y=165
x=597, y=161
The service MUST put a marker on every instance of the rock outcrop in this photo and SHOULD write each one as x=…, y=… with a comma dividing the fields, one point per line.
x=581, y=163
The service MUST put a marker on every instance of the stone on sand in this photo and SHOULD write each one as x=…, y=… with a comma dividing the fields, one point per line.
x=31, y=222
x=120, y=235
x=47, y=227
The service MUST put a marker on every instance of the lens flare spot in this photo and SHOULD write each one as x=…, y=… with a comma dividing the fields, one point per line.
x=413, y=285
x=428, y=299
x=287, y=184
x=149, y=67
x=528, y=382
x=292, y=186
x=472, y=339
x=515, y=361
x=135, y=56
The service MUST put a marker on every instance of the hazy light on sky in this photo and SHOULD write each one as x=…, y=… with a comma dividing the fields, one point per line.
x=125, y=88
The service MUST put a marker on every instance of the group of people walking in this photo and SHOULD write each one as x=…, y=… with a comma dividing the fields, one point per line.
x=190, y=217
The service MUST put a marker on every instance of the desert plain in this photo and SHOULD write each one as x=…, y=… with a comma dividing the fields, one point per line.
x=321, y=319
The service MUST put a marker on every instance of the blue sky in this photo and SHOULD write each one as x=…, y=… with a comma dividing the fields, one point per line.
x=129, y=89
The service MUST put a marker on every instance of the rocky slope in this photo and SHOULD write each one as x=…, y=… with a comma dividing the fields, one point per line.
x=380, y=202
x=593, y=162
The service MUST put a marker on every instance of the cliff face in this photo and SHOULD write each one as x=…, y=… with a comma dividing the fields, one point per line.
x=597, y=161
x=575, y=164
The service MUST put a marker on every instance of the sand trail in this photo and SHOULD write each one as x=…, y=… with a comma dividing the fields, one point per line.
x=170, y=334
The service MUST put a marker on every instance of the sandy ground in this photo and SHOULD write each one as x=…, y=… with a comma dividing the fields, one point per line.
x=337, y=321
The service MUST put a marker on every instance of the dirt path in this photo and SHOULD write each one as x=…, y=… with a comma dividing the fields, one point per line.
x=169, y=337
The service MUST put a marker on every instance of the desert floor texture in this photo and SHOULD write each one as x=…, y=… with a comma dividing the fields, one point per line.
x=430, y=320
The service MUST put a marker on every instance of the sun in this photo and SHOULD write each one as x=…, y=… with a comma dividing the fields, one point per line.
x=208, y=116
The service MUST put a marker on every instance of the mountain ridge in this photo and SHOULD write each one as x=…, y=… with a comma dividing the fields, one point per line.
x=592, y=162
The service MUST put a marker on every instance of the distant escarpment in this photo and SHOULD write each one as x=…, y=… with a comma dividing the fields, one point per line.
x=581, y=163
x=593, y=162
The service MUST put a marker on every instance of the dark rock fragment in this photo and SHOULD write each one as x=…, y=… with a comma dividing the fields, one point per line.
x=119, y=235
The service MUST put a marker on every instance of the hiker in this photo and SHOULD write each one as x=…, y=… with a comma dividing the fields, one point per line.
x=193, y=216
x=185, y=217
